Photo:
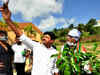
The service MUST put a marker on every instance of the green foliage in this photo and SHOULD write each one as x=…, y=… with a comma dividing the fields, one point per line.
x=93, y=40
x=88, y=41
x=3, y=24
x=81, y=27
x=68, y=66
x=85, y=34
x=97, y=30
x=16, y=24
x=57, y=43
x=2, y=20
x=29, y=30
x=87, y=30
x=71, y=26
x=89, y=27
x=62, y=39
x=61, y=32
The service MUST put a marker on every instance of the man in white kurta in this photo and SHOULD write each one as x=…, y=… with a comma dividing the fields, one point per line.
x=43, y=64
x=19, y=57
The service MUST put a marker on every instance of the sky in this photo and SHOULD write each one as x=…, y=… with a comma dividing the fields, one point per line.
x=50, y=14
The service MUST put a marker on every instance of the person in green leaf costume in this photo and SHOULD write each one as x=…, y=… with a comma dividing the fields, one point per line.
x=72, y=54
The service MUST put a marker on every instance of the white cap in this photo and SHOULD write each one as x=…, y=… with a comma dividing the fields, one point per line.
x=75, y=34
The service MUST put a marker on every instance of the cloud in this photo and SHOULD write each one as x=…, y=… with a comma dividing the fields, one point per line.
x=35, y=8
x=48, y=22
x=52, y=22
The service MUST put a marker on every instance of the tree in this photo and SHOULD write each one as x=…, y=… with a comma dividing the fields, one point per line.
x=89, y=27
x=81, y=27
x=71, y=26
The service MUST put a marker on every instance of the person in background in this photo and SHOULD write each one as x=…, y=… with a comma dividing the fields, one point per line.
x=43, y=64
x=6, y=55
x=28, y=62
x=19, y=56
x=73, y=45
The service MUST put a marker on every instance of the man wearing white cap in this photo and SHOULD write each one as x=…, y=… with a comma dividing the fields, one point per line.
x=73, y=37
x=73, y=45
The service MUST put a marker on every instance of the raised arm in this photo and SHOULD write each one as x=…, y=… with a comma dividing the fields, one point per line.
x=6, y=14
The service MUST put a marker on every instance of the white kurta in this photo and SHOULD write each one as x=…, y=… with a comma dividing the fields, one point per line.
x=43, y=64
x=18, y=49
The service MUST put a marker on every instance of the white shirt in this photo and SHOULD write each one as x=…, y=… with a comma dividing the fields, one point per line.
x=43, y=64
x=18, y=49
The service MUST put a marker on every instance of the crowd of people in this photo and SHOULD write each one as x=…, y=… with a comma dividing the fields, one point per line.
x=24, y=47
x=13, y=56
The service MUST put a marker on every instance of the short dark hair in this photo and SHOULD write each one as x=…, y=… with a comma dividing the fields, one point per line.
x=51, y=34
x=3, y=32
